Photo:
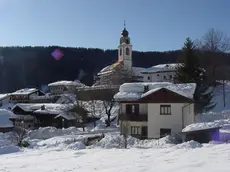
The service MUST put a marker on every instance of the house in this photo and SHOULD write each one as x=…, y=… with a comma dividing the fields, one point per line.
x=35, y=115
x=153, y=110
x=159, y=73
x=122, y=70
x=62, y=87
x=24, y=95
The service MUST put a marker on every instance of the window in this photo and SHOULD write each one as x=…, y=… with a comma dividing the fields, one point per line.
x=135, y=130
x=164, y=77
x=0, y=103
x=148, y=77
x=165, y=109
x=164, y=132
x=144, y=132
x=170, y=76
x=132, y=109
x=127, y=51
x=157, y=75
x=120, y=51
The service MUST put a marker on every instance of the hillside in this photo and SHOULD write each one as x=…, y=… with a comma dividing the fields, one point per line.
x=33, y=66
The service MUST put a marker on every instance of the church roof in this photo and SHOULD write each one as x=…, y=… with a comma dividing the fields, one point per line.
x=111, y=67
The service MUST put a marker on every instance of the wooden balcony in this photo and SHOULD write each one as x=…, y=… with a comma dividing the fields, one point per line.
x=133, y=117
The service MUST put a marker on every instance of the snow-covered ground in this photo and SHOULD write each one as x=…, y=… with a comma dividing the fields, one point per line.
x=61, y=154
x=64, y=150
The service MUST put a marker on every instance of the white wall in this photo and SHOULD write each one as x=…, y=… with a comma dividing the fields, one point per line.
x=158, y=77
x=173, y=121
x=129, y=124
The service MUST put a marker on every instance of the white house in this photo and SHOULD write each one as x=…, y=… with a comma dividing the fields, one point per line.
x=153, y=110
x=159, y=73
x=61, y=87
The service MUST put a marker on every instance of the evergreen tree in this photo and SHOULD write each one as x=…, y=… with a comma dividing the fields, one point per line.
x=190, y=71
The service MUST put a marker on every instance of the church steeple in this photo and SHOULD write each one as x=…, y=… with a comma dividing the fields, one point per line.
x=125, y=49
x=124, y=35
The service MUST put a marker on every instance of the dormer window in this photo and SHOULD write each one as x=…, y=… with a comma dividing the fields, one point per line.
x=120, y=51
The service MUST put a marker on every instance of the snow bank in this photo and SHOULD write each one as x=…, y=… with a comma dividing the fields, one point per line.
x=61, y=142
x=189, y=145
x=49, y=132
x=6, y=145
x=115, y=140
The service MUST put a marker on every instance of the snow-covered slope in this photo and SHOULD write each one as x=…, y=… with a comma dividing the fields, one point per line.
x=63, y=154
x=219, y=98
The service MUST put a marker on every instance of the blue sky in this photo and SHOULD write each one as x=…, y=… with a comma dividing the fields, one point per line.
x=154, y=25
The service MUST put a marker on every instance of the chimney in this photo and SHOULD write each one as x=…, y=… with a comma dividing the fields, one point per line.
x=43, y=107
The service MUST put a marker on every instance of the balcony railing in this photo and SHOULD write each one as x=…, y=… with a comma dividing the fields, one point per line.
x=133, y=117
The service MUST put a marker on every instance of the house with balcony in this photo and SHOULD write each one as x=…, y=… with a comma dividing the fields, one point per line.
x=154, y=110
x=25, y=95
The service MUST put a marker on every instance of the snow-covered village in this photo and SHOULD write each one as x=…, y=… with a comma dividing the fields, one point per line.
x=163, y=117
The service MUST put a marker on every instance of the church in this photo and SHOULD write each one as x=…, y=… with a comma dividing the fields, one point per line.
x=121, y=71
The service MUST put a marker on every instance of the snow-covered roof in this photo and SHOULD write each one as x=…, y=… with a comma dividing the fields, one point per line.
x=3, y=96
x=201, y=126
x=5, y=122
x=161, y=68
x=25, y=91
x=67, y=98
x=8, y=113
x=31, y=107
x=67, y=115
x=67, y=83
x=136, y=91
x=111, y=67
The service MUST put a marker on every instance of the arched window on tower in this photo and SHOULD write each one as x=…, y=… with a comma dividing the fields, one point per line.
x=127, y=51
x=120, y=51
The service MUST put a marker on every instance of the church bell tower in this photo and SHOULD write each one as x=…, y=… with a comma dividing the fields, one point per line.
x=125, y=50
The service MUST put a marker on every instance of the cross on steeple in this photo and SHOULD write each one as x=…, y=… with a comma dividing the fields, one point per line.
x=124, y=24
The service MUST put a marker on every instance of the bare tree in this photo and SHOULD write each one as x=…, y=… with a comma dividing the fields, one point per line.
x=81, y=114
x=214, y=45
x=19, y=134
x=108, y=105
